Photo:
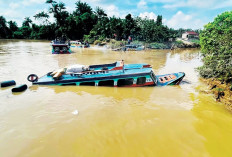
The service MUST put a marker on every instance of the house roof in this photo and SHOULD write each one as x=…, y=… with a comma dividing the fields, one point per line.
x=191, y=33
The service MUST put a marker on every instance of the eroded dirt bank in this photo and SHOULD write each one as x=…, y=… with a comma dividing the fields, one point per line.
x=221, y=91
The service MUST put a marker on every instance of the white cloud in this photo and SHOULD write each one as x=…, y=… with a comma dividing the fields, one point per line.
x=224, y=4
x=30, y=2
x=198, y=4
x=13, y=14
x=148, y=15
x=107, y=5
x=181, y=20
x=99, y=1
x=163, y=1
x=112, y=10
x=14, y=5
x=142, y=4
x=10, y=13
x=164, y=20
x=175, y=5
x=70, y=9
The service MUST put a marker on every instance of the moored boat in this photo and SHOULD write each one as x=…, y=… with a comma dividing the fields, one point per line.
x=76, y=44
x=116, y=74
x=60, y=48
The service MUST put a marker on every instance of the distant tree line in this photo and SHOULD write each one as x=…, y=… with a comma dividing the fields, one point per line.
x=88, y=24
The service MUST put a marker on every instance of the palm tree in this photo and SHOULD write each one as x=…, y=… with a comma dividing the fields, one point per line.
x=42, y=16
x=100, y=13
x=58, y=10
x=82, y=8
x=27, y=21
x=50, y=1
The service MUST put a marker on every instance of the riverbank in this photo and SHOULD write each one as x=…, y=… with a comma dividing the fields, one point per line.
x=179, y=43
x=222, y=92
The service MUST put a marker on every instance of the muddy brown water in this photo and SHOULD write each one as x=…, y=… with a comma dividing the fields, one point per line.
x=106, y=121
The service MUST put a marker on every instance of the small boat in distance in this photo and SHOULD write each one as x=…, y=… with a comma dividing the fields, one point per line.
x=115, y=74
x=76, y=44
x=60, y=47
x=132, y=47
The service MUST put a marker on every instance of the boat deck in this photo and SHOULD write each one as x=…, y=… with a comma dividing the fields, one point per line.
x=97, y=73
x=115, y=74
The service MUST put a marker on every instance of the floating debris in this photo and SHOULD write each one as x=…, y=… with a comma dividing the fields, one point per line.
x=75, y=112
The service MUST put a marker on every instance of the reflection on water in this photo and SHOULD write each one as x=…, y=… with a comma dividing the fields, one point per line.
x=143, y=121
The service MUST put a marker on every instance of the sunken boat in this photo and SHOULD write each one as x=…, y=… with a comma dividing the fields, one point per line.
x=132, y=47
x=115, y=74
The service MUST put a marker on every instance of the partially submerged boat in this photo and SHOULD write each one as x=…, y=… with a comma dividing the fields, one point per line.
x=60, y=48
x=132, y=47
x=116, y=74
x=76, y=44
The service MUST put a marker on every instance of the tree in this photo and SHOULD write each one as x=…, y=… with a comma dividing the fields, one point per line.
x=3, y=27
x=49, y=1
x=85, y=18
x=116, y=27
x=159, y=20
x=61, y=15
x=148, y=30
x=18, y=35
x=56, y=9
x=100, y=13
x=27, y=21
x=102, y=28
x=86, y=22
x=43, y=17
x=129, y=26
x=216, y=48
x=82, y=8
x=12, y=28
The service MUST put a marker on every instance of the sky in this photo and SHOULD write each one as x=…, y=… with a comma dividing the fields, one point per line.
x=176, y=14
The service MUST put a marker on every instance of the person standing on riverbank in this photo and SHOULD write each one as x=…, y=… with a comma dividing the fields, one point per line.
x=129, y=40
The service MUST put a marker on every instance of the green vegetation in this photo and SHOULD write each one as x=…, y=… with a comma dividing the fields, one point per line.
x=216, y=48
x=195, y=41
x=158, y=46
x=116, y=44
x=96, y=42
x=178, y=42
x=87, y=24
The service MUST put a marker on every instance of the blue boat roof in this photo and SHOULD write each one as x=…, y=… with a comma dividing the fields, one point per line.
x=127, y=70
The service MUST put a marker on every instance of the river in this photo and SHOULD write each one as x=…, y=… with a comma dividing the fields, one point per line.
x=106, y=121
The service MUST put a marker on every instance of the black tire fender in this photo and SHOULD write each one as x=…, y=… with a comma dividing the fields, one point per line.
x=19, y=88
x=32, y=78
